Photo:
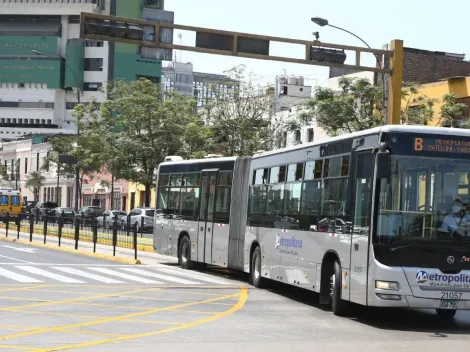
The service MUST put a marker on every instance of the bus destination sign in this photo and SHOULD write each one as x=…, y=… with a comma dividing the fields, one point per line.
x=441, y=145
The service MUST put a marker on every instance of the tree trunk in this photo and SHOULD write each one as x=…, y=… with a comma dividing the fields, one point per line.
x=148, y=187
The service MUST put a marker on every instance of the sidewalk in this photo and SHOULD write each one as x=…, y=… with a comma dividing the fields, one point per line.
x=122, y=255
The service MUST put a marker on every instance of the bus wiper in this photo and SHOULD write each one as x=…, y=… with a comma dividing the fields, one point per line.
x=421, y=242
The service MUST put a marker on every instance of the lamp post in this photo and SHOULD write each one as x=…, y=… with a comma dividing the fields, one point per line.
x=322, y=22
x=77, y=171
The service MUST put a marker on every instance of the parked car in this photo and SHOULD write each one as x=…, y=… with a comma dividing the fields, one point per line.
x=143, y=218
x=88, y=214
x=43, y=209
x=106, y=219
x=68, y=214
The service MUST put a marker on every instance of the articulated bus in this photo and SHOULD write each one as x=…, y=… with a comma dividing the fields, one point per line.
x=378, y=217
x=11, y=204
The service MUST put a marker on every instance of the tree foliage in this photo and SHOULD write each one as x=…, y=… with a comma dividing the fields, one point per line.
x=452, y=111
x=418, y=108
x=34, y=181
x=354, y=107
x=239, y=117
x=139, y=126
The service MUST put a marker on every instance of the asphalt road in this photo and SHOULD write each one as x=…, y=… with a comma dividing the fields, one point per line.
x=181, y=310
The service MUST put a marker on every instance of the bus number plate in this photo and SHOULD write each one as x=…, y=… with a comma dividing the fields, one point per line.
x=448, y=304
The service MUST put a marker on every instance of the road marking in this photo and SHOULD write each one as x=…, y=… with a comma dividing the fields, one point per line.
x=125, y=276
x=18, y=260
x=88, y=275
x=242, y=298
x=161, y=276
x=15, y=276
x=29, y=250
x=195, y=276
x=37, y=271
x=125, y=317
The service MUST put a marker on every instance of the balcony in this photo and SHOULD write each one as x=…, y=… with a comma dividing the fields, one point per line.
x=50, y=7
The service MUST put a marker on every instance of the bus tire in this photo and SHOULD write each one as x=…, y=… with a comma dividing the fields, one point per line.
x=338, y=306
x=446, y=314
x=184, y=253
x=256, y=265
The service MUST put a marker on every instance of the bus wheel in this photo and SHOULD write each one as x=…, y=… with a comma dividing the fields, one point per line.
x=446, y=314
x=256, y=278
x=184, y=257
x=338, y=306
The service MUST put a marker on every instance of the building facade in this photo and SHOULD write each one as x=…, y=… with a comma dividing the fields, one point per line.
x=45, y=68
x=290, y=93
x=180, y=77
x=21, y=157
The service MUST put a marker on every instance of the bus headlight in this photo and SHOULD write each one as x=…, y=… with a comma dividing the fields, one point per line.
x=386, y=285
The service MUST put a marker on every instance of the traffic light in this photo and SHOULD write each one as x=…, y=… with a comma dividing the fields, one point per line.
x=113, y=29
x=327, y=55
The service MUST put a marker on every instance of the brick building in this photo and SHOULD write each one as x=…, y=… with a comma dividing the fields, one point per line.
x=423, y=66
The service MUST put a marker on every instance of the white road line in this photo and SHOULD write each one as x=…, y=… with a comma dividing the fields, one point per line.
x=125, y=276
x=195, y=276
x=15, y=276
x=18, y=260
x=45, y=273
x=88, y=275
x=161, y=276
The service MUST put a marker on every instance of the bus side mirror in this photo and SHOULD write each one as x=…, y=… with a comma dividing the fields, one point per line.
x=383, y=165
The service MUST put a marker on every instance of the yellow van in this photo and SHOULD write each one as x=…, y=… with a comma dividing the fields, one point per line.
x=11, y=203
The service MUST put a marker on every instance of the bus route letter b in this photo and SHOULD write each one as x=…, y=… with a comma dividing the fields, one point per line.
x=418, y=144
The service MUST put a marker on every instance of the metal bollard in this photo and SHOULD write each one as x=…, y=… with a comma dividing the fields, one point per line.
x=60, y=223
x=8, y=223
x=77, y=231
x=31, y=227
x=95, y=234
x=135, y=241
x=114, y=237
x=45, y=227
x=18, y=226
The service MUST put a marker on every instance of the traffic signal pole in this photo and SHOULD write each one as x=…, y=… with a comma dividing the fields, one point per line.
x=212, y=41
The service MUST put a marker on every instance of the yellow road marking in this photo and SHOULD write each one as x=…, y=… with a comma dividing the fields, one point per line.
x=87, y=332
x=25, y=299
x=115, y=318
x=21, y=348
x=243, y=296
x=173, y=300
x=59, y=314
x=194, y=311
x=150, y=321
x=67, y=292
x=7, y=326
x=24, y=288
x=109, y=305
x=74, y=300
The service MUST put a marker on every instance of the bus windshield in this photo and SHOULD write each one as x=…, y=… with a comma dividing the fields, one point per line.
x=416, y=202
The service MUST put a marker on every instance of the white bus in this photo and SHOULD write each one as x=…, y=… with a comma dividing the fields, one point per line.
x=365, y=217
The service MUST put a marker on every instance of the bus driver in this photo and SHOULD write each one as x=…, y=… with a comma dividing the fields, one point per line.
x=457, y=218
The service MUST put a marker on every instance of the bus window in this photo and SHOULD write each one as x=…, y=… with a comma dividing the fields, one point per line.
x=3, y=200
x=15, y=200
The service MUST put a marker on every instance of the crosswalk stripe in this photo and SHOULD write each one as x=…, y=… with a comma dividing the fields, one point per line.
x=161, y=276
x=57, y=277
x=88, y=275
x=17, y=277
x=195, y=276
x=125, y=276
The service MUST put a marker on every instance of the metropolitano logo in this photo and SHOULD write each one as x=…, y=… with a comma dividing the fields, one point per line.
x=421, y=277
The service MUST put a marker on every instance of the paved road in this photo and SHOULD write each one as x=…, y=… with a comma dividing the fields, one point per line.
x=184, y=310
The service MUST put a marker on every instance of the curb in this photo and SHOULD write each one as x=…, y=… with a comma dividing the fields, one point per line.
x=76, y=251
x=140, y=247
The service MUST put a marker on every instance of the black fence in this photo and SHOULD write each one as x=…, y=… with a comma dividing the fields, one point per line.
x=115, y=232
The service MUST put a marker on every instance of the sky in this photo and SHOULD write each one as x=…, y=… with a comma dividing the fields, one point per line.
x=422, y=24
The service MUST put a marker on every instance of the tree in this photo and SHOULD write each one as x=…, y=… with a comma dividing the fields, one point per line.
x=418, y=108
x=452, y=111
x=34, y=181
x=239, y=117
x=139, y=126
x=85, y=150
x=355, y=107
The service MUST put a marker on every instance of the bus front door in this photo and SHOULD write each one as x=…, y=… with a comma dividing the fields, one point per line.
x=361, y=227
x=206, y=215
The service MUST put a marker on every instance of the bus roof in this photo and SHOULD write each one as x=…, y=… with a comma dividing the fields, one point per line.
x=385, y=128
x=196, y=161
x=9, y=191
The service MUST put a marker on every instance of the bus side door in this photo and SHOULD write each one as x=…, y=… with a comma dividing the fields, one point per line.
x=361, y=226
x=206, y=215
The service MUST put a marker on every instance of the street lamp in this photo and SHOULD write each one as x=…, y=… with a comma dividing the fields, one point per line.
x=77, y=172
x=322, y=22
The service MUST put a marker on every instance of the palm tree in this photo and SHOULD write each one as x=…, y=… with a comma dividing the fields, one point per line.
x=34, y=182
